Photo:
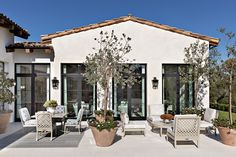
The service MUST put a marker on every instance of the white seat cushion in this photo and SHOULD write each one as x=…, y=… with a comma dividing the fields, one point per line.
x=135, y=126
x=31, y=122
x=154, y=118
x=205, y=124
x=209, y=114
x=156, y=109
x=71, y=122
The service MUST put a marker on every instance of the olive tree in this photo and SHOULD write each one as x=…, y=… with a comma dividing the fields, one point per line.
x=108, y=63
x=198, y=60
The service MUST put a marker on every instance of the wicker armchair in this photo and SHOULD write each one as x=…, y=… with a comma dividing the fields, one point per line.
x=43, y=124
x=26, y=119
x=75, y=122
x=186, y=128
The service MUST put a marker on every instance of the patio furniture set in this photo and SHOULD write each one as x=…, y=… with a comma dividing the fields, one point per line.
x=46, y=122
x=182, y=128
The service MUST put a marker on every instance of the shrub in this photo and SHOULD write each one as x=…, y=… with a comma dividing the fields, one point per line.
x=108, y=124
x=193, y=110
x=50, y=103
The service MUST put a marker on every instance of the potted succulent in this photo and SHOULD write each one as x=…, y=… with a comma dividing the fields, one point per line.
x=50, y=105
x=101, y=68
x=6, y=98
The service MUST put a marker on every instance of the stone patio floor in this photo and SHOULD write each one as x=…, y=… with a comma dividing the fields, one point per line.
x=131, y=145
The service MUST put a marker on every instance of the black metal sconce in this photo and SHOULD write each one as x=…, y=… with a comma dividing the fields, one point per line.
x=55, y=83
x=155, y=83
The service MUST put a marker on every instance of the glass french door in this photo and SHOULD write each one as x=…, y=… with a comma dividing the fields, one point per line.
x=131, y=100
x=177, y=93
x=32, y=87
x=76, y=91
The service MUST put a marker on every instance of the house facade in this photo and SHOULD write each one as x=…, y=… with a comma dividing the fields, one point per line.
x=158, y=51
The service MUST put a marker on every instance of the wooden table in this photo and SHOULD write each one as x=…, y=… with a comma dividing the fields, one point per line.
x=161, y=125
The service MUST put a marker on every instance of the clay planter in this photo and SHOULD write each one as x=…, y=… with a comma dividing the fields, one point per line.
x=103, y=138
x=4, y=120
x=227, y=136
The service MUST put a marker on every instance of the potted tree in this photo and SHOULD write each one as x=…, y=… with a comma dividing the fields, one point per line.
x=226, y=127
x=6, y=98
x=107, y=64
x=50, y=105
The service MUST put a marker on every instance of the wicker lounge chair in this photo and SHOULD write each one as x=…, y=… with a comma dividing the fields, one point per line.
x=186, y=128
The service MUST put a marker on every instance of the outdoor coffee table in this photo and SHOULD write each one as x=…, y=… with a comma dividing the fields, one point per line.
x=161, y=125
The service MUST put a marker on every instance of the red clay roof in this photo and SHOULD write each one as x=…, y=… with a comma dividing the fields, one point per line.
x=13, y=27
x=29, y=45
x=47, y=38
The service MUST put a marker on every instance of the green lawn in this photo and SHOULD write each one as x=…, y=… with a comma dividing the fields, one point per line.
x=225, y=115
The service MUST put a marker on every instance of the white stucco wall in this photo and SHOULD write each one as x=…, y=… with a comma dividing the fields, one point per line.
x=7, y=38
x=150, y=45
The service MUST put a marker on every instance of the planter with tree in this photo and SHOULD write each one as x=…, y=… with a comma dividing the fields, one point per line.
x=108, y=64
x=6, y=98
x=226, y=127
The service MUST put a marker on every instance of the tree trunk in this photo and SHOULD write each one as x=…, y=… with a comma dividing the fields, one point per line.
x=196, y=93
x=230, y=96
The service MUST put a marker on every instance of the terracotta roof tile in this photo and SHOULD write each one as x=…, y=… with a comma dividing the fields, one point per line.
x=47, y=38
x=13, y=27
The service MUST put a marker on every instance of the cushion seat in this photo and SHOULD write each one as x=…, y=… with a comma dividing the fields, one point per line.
x=205, y=124
x=31, y=122
x=135, y=126
x=154, y=118
x=71, y=122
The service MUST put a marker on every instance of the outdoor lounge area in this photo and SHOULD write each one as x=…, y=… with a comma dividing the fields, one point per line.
x=75, y=144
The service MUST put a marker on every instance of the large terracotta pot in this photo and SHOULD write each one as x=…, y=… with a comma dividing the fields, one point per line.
x=103, y=138
x=227, y=136
x=4, y=120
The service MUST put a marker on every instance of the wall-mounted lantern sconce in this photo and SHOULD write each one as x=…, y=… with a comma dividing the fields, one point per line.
x=155, y=83
x=55, y=83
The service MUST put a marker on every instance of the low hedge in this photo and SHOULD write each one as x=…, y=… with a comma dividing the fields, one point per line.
x=222, y=107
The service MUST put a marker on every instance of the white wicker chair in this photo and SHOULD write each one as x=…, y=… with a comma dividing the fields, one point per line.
x=74, y=122
x=128, y=126
x=26, y=119
x=155, y=112
x=43, y=124
x=186, y=128
x=206, y=123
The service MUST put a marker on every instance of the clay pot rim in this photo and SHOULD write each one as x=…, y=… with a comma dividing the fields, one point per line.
x=5, y=111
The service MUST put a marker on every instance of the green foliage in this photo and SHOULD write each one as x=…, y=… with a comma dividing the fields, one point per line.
x=222, y=107
x=108, y=124
x=224, y=123
x=109, y=62
x=225, y=115
x=50, y=103
x=196, y=55
x=193, y=110
x=101, y=112
x=6, y=96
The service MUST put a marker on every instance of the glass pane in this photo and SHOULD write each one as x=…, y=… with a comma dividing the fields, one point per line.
x=41, y=92
x=137, y=99
x=170, y=69
x=76, y=90
x=41, y=69
x=23, y=92
x=170, y=94
x=24, y=68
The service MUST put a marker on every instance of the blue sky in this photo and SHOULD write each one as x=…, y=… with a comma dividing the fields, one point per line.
x=49, y=16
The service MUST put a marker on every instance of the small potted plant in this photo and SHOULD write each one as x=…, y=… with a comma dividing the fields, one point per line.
x=50, y=105
x=6, y=98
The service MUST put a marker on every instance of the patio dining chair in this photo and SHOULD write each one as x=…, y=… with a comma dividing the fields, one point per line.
x=44, y=124
x=26, y=119
x=206, y=123
x=74, y=122
x=186, y=128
